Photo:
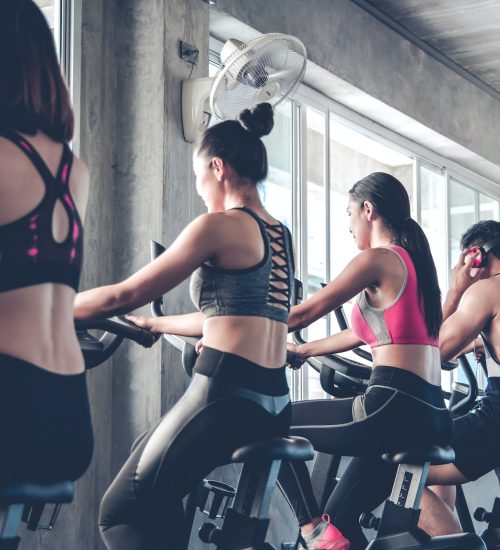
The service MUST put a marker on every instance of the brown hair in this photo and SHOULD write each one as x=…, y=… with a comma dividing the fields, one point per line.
x=238, y=142
x=33, y=94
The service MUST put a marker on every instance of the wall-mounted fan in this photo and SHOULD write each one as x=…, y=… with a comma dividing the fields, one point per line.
x=268, y=68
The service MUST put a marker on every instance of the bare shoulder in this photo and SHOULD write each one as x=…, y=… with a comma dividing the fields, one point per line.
x=6, y=146
x=485, y=289
x=8, y=152
x=376, y=256
x=208, y=223
x=482, y=297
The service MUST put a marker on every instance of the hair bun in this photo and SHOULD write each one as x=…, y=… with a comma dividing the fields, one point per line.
x=259, y=121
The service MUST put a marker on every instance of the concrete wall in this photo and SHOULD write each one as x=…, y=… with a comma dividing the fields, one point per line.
x=142, y=188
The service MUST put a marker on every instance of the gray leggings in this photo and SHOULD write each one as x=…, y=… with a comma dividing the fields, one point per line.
x=229, y=403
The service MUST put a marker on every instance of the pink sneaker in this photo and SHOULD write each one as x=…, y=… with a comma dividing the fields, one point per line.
x=326, y=536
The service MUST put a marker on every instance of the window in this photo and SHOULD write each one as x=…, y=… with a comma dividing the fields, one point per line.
x=64, y=18
x=462, y=215
x=276, y=191
x=489, y=208
x=432, y=215
x=52, y=11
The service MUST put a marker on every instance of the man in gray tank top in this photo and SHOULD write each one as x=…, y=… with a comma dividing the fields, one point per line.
x=471, y=313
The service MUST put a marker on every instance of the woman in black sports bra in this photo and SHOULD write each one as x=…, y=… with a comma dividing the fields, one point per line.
x=44, y=412
x=242, y=265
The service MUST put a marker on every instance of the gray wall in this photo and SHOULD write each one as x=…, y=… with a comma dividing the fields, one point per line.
x=142, y=188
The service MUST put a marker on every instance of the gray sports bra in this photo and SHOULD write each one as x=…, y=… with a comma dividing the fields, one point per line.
x=263, y=290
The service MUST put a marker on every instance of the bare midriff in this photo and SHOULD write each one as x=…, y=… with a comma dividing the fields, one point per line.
x=422, y=360
x=257, y=339
x=37, y=326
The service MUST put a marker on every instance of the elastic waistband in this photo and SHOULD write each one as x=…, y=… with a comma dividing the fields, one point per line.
x=14, y=367
x=407, y=382
x=238, y=370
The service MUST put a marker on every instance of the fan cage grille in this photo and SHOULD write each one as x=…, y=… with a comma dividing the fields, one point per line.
x=274, y=61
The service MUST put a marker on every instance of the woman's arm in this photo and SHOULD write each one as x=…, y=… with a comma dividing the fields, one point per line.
x=364, y=270
x=337, y=343
x=197, y=243
x=189, y=324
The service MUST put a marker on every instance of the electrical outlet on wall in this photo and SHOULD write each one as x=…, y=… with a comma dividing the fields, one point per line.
x=189, y=53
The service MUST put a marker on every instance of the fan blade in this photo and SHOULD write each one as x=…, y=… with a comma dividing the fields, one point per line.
x=283, y=76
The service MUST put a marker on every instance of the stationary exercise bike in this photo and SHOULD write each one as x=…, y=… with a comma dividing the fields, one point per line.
x=25, y=501
x=397, y=529
x=244, y=511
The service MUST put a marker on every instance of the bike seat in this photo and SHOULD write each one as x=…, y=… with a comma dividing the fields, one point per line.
x=290, y=449
x=432, y=453
x=36, y=493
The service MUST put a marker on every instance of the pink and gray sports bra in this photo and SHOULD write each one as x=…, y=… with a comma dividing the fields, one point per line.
x=29, y=254
x=402, y=321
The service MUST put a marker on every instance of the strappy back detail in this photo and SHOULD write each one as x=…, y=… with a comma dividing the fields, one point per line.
x=262, y=290
x=279, y=280
x=29, y=252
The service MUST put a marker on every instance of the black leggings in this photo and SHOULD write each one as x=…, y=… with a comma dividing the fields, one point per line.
x=45, y=426
x=399, y=411
x=229, y=403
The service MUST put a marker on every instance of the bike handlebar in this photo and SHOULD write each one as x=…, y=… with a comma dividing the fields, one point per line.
x=120, y=327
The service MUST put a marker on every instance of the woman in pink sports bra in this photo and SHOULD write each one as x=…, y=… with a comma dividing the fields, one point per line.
x=398, y=314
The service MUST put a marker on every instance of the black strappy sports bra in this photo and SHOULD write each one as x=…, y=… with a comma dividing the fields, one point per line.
x=29, y=254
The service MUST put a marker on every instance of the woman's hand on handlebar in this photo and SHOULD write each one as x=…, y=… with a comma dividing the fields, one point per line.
x=293, y=358
x=147, y=323
x=198, y=346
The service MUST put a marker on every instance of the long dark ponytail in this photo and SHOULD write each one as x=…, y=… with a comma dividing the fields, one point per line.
x=390, y=200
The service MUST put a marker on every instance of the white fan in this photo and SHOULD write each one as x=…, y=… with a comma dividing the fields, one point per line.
x=268, y=68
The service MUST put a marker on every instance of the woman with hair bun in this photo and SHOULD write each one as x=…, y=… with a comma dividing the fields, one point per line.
x=242, y=268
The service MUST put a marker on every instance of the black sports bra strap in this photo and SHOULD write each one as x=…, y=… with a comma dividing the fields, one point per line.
x=65, y=164
x=30, y=152
x=259, y=220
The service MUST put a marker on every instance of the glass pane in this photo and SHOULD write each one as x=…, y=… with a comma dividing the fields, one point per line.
x=276, y=191
x=50, y=9
x=488, y=208
x=433, y=214
x=462, y=215
x=316, y=230
x=316, y=211
x=352, y=157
